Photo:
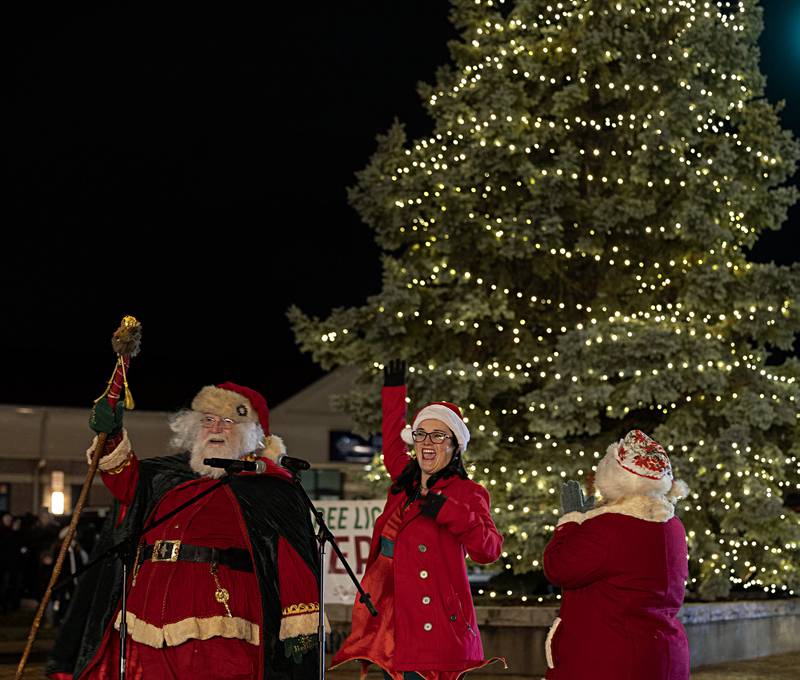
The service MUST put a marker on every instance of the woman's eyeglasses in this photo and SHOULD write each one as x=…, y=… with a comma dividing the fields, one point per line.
x=436, y=436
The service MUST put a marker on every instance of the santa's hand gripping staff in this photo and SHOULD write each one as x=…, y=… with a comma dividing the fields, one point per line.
x=227, y=587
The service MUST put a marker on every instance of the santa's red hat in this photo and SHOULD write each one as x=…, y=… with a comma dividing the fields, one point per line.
x=242, y=405
x=448, y=413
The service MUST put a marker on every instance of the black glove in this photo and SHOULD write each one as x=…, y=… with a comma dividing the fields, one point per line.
x=394, y=373
x=572, y=499
x=431, y=503
x=103, y=419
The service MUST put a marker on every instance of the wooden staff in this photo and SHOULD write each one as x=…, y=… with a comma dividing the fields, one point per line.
x=125, y=341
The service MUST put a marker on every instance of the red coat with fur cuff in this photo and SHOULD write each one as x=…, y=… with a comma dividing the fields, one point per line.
x=622, y=568
x=170, y=603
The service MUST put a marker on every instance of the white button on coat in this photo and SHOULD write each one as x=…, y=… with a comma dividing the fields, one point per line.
x=427, y=626
x=423, y=574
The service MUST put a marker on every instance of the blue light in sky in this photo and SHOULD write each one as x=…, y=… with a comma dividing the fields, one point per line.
x=780, y=56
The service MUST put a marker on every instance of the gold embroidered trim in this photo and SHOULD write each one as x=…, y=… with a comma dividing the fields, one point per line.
x=305, y=624
x=120, y=468
x=302, y=608
x=174, y=634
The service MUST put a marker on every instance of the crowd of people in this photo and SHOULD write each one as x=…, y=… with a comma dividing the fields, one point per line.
x=26, y=547
x=29, y=546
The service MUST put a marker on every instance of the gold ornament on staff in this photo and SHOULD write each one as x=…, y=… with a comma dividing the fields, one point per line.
x=126, y=343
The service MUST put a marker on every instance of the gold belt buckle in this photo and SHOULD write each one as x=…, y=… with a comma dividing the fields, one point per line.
x=165, y=551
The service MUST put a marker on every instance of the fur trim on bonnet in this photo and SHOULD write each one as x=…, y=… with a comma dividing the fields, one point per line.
x=449, y=414
x=242, y=405
x=637, y=466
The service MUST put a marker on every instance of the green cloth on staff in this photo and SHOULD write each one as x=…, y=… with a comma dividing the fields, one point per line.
x=105, y=419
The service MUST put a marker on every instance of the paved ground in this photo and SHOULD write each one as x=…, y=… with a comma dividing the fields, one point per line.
x=13, y=632
x=784, y=667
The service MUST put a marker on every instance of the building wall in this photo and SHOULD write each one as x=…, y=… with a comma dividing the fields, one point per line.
x=35, y=441
x=305, y=420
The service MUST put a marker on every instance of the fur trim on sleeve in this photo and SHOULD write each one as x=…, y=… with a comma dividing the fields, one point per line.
x=572, y=517
x=273, y=448
x=116, y=458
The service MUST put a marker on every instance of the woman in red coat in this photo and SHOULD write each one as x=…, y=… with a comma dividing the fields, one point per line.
x=622, y=568
x=416, y=574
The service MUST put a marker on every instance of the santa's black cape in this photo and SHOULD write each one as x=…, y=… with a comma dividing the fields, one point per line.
x=271, y=506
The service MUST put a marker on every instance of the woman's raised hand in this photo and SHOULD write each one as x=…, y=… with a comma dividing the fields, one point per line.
x=394, y=373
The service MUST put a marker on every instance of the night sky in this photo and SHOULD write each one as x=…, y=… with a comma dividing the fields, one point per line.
x=135, y=128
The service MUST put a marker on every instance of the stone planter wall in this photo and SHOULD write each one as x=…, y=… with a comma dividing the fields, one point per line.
x=717, y=632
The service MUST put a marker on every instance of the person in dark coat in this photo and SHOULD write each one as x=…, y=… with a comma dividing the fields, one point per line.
x=7, y=556
x=74, y=559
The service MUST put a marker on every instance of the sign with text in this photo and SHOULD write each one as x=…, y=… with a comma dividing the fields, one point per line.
x=351, y=523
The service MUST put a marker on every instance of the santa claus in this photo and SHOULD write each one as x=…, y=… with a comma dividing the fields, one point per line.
x=227, y=587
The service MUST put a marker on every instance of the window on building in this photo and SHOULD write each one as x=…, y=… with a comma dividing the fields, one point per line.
x=323, y=485
x=352, y=448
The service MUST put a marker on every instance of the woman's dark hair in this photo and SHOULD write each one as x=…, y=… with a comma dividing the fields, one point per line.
x=411, y=475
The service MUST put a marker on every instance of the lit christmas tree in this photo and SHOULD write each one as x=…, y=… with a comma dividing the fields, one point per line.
x=566, y=259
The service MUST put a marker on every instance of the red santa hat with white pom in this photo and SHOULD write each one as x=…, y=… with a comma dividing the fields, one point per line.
x=449, y=414
x=242, y=405
x=637, y=466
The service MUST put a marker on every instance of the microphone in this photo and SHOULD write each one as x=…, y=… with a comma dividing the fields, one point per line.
x=293, y=464
x=231, y=465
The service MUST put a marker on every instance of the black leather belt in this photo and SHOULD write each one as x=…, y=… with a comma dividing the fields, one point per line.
x=172, y=551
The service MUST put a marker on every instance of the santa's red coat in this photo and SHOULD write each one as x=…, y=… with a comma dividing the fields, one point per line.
x=175, y=623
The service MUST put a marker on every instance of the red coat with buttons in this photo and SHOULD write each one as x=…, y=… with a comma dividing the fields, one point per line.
x=434, y=625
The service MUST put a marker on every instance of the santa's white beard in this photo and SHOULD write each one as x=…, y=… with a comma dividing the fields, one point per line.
x=232, y=449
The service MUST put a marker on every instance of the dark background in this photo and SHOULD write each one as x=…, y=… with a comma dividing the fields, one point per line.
x=189, y=166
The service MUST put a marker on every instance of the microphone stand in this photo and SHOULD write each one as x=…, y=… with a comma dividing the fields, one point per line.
x=324, y=535
x=123, y=550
